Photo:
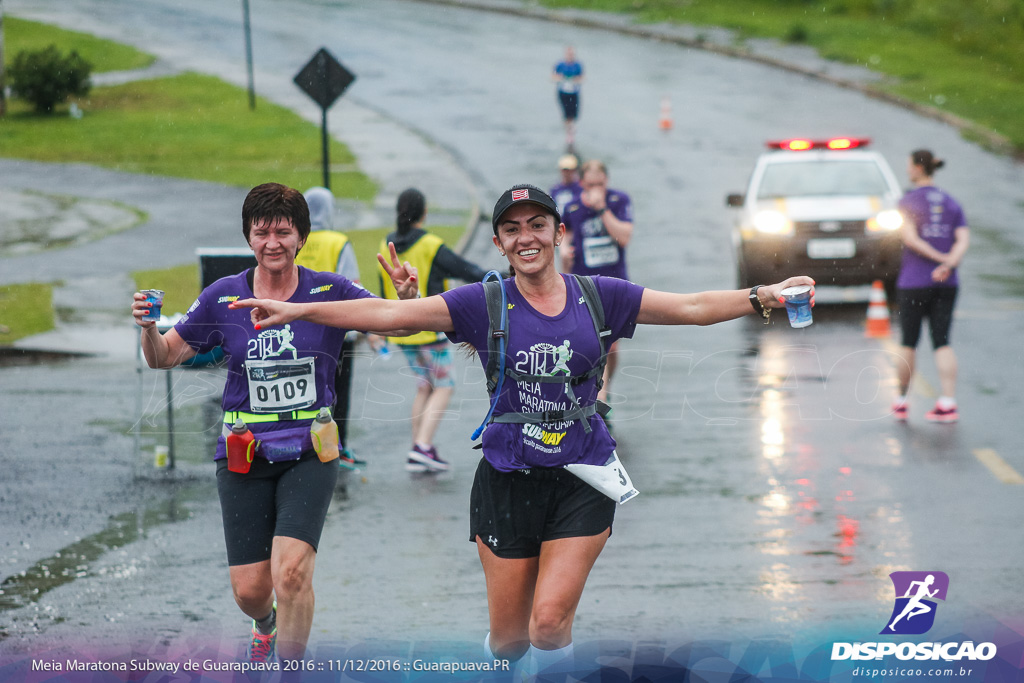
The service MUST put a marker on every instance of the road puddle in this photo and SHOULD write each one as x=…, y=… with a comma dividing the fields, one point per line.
x=78, y=560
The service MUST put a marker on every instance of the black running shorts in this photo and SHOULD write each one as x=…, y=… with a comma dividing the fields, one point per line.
x=274, y=499
x=934, y=303
x=514, y=512
x=570, y=102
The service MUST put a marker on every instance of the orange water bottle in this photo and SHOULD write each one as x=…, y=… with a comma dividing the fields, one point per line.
x=324, y=435
x=241, y=446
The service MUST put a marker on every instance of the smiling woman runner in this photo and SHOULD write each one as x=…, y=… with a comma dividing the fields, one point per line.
x=273, y=504
x=537, y=525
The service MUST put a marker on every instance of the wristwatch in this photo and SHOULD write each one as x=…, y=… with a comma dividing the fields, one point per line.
x=759, y=308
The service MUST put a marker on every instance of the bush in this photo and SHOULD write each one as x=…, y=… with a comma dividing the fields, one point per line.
x=797, y=33
x=46, y=78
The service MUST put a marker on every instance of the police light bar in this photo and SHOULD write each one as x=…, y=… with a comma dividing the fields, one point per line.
x=803, y=144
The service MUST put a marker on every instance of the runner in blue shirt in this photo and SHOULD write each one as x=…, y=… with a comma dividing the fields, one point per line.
x=525, y=504
x=568, y=74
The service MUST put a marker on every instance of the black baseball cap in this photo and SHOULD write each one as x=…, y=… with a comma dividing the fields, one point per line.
x=523, y=194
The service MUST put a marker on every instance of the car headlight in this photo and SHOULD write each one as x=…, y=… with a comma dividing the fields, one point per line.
x=886, y=221
x=772, y=223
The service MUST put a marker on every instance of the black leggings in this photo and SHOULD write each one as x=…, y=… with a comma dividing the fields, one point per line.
x=274, y=499
x=934, y=303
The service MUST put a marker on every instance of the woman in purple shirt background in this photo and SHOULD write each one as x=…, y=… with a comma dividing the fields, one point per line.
x=935, y=238
x=538, y=527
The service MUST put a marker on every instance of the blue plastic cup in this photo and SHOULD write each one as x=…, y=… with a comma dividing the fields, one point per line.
x=155, y=297
x=798, y=305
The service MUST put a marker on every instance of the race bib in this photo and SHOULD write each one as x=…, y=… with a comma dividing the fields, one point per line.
x=278, y=386
x=610, y=478
x=600, y=251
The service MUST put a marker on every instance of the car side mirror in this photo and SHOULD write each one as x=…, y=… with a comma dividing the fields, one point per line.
x=734, y=200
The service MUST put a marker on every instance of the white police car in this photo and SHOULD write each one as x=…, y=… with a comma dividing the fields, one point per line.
x=824, y=208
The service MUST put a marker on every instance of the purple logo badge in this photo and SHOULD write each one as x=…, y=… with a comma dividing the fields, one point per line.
x=914, y=610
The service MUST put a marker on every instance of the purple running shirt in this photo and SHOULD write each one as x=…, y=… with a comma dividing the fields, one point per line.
x=564, y=194
x=936, y=215
x=275, y=370
x=594, y=250
x=546, y=345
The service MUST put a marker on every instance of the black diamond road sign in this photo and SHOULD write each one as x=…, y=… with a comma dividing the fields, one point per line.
x=324, y=78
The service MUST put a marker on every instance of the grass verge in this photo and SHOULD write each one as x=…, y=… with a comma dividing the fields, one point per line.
x=104, y=55
x=186, y=126
x=961, y=58
x=25, y=309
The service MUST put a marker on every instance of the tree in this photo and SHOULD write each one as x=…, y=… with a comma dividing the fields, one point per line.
x=47, y=78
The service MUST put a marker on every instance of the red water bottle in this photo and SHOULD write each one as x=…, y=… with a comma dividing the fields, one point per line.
x=241, y=446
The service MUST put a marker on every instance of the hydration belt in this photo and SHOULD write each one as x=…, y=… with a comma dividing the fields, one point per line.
x=252, y=418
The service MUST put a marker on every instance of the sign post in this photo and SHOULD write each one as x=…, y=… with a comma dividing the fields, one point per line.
x=248, y=53
x=324, y=79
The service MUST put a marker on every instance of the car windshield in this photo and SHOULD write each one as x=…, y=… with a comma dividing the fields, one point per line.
x=816, y=178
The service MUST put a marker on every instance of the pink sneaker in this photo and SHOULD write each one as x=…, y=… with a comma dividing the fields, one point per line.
x=427, y=457
x=945, y=415
x=899, y=411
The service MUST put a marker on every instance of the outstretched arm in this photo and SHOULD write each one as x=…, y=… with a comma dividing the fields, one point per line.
x=708, y=308
x=382, y=316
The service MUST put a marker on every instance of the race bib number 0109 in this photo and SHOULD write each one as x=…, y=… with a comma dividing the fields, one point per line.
x=277, y=386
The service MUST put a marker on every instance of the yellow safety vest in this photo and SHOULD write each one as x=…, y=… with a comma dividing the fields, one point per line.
x=421, y=255
x=322, y=250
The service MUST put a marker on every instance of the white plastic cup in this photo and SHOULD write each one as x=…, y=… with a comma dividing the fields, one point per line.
x=798, y=305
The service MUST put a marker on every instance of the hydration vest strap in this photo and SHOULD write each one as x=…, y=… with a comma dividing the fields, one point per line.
x=492, y=293
x=252, y=418
x=549, y=416
x=596, y=308
x=597, y=370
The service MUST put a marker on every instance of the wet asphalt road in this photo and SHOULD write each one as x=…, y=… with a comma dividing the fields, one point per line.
x=777, y=495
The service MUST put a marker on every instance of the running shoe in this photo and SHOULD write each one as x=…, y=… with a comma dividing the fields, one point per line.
x=428, y=457
x=414, y=466
x=349, y=461
x=899, y=411
x=938, y=414
x=261, y=649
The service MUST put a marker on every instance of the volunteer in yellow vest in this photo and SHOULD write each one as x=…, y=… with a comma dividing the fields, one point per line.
x=428, y=353
x=328, y=250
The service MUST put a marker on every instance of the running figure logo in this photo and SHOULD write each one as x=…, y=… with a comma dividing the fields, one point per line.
x=563, y=354
x=914, y=610
x=284, y=338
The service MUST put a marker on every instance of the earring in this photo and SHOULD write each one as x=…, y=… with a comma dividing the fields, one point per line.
x=501, y=252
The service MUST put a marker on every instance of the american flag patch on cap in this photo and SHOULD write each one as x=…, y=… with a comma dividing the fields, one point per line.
x=520, y=194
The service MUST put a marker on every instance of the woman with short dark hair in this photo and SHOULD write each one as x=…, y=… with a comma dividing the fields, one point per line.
x=278, y=381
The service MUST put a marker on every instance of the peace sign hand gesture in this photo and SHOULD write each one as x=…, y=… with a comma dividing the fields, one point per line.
x=403, y=275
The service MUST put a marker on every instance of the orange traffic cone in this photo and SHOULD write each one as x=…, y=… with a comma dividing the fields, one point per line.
x=665, y=122
x=878, y=313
